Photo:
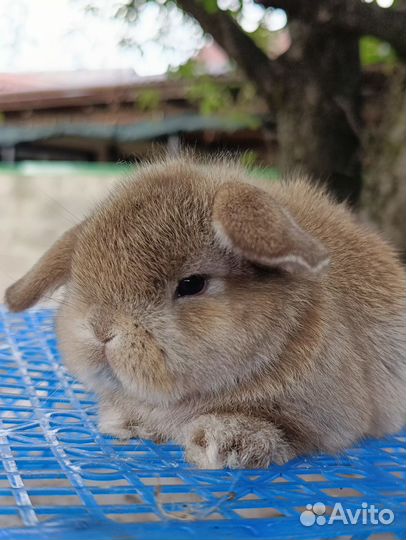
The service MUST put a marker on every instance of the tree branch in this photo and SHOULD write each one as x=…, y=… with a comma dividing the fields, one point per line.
x=267, y=74
x=349, y=16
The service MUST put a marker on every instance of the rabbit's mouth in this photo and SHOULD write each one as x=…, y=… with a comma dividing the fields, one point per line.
x=141, y=366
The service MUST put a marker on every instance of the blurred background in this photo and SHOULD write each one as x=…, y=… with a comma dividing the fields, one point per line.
x=90, y=88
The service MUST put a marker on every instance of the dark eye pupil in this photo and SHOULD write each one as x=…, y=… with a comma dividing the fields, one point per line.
x=191, y=285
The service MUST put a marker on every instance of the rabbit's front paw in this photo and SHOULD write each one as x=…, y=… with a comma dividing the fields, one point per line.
x=220, y=441
x=113, y=423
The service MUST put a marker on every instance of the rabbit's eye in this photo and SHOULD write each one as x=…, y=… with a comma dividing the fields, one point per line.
x=191, y=285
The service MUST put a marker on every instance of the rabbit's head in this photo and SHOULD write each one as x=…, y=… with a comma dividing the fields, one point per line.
x=187, y=279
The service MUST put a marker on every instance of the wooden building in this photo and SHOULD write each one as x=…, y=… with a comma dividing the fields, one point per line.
x=104, y=116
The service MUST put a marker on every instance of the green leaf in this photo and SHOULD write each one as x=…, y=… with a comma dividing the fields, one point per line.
x=188, y=70
x=261, y=37
x=374, y=51
x=210, y=6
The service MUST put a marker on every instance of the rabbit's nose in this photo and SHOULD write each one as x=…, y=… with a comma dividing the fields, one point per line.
x=101, y=324
x=106, y=339
x=103, y=334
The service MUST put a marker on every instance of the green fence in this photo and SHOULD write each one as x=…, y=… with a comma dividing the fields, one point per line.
x=99, y=169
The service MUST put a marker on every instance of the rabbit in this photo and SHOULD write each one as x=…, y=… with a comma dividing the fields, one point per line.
x=249, y=321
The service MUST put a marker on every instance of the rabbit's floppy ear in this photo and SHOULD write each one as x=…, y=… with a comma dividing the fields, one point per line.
x=249, y=221
x=50, y=272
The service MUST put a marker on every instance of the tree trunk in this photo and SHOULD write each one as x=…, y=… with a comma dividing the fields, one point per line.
x=384, y=192
x=317, y=112
x=314, y=89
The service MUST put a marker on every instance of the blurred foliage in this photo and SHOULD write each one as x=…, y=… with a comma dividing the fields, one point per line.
x=233, y=100
x=211, y=95
x=148, y=99
x=399, y=4
x=210, y=6
x=189, y=71
x=262, y=37
x=374, y=51
x=249, y=159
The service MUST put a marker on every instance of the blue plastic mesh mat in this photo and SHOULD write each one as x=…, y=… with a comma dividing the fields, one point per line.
x=61, y=480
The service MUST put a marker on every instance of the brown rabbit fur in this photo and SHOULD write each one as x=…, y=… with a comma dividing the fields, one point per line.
x=295, y=346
